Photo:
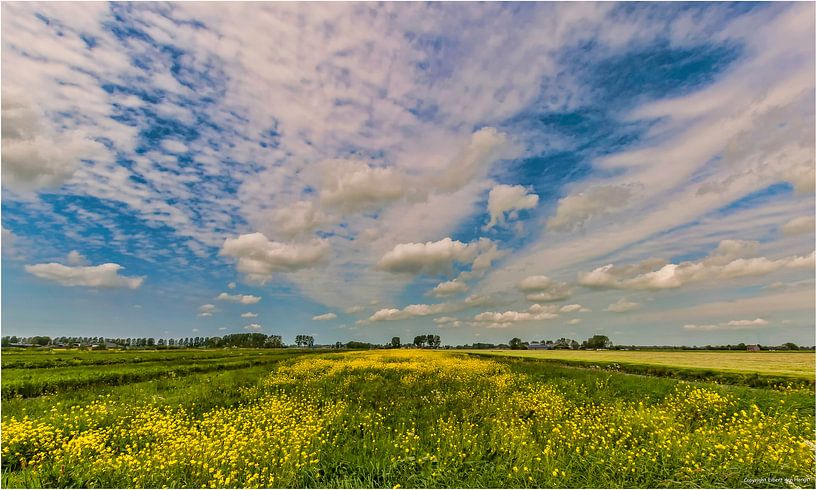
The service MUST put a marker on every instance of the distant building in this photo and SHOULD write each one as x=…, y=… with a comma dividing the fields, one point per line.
x=537, y=346
x=753, y=347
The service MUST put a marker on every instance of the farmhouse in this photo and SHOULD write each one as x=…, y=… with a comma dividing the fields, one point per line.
x=753, y=347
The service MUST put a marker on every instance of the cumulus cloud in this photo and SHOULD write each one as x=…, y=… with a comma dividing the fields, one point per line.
x=351, y=185
x=207, y=310
x=732, y=259
x=730, y=325
x=76, y=258
x=448, y=322
x=797, y=226
x=434, y=257
x=33, y=155
x=410, y=311
x=542, y=289
x=244, y=299
x=508, y=199
x=574, y=210
x=536, y=312
x=253, y=327
x=449, y=288
x=258, y=257
x=354, y=309
x=623, y=305
x=249, y=314
x=296, y=219
x=96, y=276
x=232, y=285
x=325, y=317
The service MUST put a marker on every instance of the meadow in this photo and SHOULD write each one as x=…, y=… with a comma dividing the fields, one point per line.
x=766, y=368
x=396, y=418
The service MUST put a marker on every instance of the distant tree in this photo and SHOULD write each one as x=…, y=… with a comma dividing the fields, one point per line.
x=515, y=343
x=419, y=340
x=433, y=341
x=395, y=342
x=598, y=342
x=151, y=342
x=273, y=341
x=338, y=344
x=574, y=345
x=791, y=346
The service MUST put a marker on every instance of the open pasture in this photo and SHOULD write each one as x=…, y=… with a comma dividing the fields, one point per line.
x=779, y=365
x=410, y=418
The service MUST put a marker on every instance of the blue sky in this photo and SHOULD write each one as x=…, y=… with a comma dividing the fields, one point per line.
x=362, y=171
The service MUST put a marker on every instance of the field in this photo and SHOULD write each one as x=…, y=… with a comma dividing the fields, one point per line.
x=387, y=419
x=761, y=368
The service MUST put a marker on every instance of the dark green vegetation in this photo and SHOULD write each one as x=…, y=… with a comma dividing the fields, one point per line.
x=28, y=374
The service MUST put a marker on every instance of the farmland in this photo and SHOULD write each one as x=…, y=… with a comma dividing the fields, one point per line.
x=736, y=367
x=387, y=418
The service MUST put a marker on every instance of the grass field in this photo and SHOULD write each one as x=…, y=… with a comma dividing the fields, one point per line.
x=383, y=419
x=754, y=368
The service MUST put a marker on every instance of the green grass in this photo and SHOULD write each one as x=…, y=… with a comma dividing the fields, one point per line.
x=29, y=382
x=417, y=419
x=760, y=369
x=27, y=359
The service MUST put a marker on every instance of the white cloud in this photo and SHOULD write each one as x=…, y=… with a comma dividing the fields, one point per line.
x=449, y=288
x=244, y=299
x=429, y=257
x=732, y=259
x=487, y=145
x=508, y=199
x=33, y=155
x=350, y=185
x=258, y=258
x=207, y=309
x=575, y=321
x=797, y=226
x=623, y=305
x=536, y=312
x=535, y=283
x=76, y=258
x=448, y=322
x=576, y=209
x=232, y=285
x=97, y=276
x=730, y=325
x=410, y=311
x=354, y=309
x=570, y=308
x=543, y=289
x=253, y=327
x=249, y=314
x=174, y=146
x=296, y=219
x=325, y=317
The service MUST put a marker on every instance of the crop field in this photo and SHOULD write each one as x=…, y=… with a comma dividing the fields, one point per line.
x=389, y=419
x=779, y=366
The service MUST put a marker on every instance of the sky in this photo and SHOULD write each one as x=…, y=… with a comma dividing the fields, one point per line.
x=359, y=171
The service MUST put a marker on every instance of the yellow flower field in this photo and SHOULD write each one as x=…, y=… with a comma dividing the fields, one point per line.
x=414, y=419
